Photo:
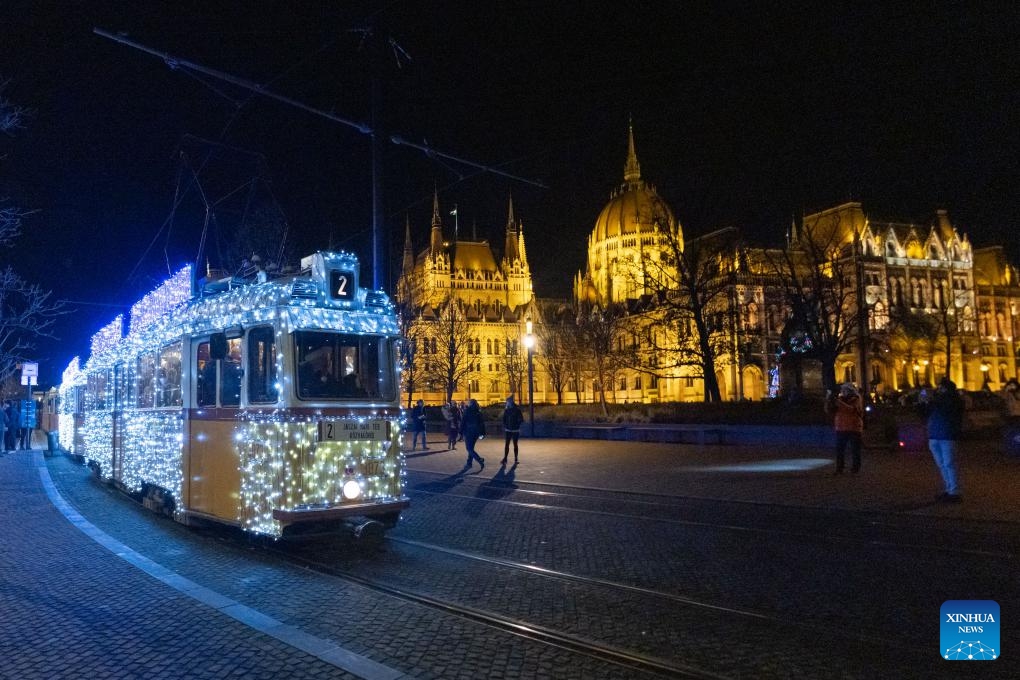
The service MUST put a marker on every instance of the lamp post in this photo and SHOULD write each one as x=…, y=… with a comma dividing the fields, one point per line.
x=529, y=342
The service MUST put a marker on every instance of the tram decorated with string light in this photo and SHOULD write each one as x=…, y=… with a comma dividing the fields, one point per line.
x=269, y=405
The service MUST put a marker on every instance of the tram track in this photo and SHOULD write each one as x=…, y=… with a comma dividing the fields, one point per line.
x=672, y=597
x=767, y=630
x=680, y=504
x=618, y=656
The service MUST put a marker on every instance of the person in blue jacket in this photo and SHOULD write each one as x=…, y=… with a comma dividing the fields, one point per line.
x=945, y=423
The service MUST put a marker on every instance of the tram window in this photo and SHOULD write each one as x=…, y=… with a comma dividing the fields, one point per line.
x=168, y=376
x=335, y=366
x=146, y=380
x=262, y=366
x=205, y=382
x=230, y=374
x=95, y=394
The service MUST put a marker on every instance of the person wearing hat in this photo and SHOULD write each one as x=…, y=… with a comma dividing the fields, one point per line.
x=945, y=423
x=848, y=408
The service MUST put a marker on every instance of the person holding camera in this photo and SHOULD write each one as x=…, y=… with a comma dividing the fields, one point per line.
x=848, y=408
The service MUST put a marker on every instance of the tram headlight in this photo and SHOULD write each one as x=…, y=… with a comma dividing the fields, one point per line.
x=351, y=490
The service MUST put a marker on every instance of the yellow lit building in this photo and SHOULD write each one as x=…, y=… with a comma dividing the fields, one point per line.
x=929, y=296
x=465, y=319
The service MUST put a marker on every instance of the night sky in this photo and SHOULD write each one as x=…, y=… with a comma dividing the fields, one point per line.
x=744, y=115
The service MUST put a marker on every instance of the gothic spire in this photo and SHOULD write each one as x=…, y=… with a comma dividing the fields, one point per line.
x=510, y=252
x=437, y=221
x=631, y=171
x=436, y=238
x=408, y=247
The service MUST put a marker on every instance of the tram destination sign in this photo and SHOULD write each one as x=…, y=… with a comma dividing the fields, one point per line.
x=353, y=430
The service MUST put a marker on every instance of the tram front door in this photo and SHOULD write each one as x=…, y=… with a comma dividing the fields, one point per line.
x=213, y=467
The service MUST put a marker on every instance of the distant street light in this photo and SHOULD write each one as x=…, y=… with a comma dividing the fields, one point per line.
x=529, y=342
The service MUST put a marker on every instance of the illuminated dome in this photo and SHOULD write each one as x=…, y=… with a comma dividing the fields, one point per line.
x=636, y=227
x=634, y=206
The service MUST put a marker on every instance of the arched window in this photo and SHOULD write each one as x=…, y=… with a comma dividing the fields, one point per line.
x=752, y=315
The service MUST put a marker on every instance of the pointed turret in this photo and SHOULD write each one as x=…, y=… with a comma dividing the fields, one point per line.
x=521, y=252
x=945, y=228
x=436, y=238
x=510, y=246
x=408, y=248
x=631, y=171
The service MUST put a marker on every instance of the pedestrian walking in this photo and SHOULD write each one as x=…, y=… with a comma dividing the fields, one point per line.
x=848, y=409
x=14, y=427
x=452, y=416
x=512, y=419
x=418, y=426
x=473, y=427
x=461, y=409
x=944, y=411
x=4, y=425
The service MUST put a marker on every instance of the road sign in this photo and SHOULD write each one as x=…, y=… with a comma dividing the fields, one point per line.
x=29, y=380
x=29, y=369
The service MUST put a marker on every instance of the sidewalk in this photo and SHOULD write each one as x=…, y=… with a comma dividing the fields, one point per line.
x=889, y=481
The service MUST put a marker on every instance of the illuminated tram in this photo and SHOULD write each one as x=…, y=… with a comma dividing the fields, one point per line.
x=272, y=406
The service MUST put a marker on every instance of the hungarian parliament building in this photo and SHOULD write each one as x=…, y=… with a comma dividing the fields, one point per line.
x=889, y=306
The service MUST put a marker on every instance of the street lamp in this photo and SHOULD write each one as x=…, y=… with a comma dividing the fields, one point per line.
x=529, y=342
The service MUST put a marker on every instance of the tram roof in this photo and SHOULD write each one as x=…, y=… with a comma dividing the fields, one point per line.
x=301, y=301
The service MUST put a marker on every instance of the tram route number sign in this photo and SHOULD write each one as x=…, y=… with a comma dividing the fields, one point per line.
x=342, y=284
x=353, y=430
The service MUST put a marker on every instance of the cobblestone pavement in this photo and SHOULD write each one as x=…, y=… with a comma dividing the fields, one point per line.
x=746, y=527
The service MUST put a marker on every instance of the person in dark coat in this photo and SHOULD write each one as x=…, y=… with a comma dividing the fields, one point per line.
x=4, y=425
x=418, y=426
x=945, y=423
x=473, y=427
x=14, y=426
x=451, y=414
x=512, y=420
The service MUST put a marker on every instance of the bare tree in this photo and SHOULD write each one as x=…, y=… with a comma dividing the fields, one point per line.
x=915, y=335
x=558, y=339
x=818, y=270
x=27, y=312
x=513, y=362
x=691, y=285
x=12, y=116
x=452, y=356
x=599, y=330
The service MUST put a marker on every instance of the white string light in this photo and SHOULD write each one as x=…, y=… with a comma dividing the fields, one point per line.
x=281, y=462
